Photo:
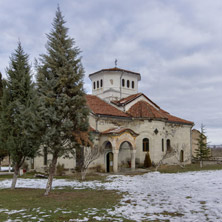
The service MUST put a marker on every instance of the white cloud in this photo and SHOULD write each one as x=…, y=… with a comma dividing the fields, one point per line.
x=175, y=45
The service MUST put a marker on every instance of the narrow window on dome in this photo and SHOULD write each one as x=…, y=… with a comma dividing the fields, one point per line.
x=128, y=83
x=101, y=83
x=97, y=84
x=123, y=82
x=94, y=85
x=133, y=84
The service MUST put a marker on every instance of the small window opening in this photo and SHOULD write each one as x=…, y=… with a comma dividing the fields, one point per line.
x=133, y=84
x=146, y=147
x=101, y=83
x=128, y=83
x=94, y=85
x=181, y=156
x=123, y=82
x=168, y=146
x=162, y=145
x=97, y=84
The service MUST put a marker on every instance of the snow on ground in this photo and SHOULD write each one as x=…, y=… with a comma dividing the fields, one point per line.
x=4, y=168
x=191, y=196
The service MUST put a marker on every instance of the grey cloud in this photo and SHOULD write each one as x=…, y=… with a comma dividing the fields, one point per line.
x=175, y=45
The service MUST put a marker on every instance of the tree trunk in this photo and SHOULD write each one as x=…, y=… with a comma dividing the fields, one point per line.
x=15, y=176
x=51, y=174
x=9, y=164
x=83, y=174
x=201, y=163
x=79, y=159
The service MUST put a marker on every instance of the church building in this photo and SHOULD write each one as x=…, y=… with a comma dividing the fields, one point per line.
x=127, y=124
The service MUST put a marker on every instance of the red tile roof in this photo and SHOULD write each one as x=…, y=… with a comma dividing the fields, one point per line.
x=130, y=98
x=143, y=109
x=100, y=107
x=116, y=70
x=178, y=120
x=125, y=100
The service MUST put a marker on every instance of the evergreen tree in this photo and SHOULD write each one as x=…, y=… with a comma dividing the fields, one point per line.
x=19, y=120
x=60, y=88
x=3, y=151
x=202, y=152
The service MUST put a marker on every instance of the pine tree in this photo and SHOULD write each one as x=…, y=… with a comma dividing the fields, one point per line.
x=3, y=151
x=60, y=88
x=202, y=152
x=19, y=123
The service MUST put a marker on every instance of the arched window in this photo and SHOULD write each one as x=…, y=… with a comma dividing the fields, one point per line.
x=128, y=83
x=168, y=146
x=132, y=84
x=146, y=146
x=123, y=82
x=97, y=84
x=94, y=85
x=101, y=83
x=162, y=145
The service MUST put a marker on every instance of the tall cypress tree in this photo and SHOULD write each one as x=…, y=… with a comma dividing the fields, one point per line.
x=60, y=88
x=19, y=122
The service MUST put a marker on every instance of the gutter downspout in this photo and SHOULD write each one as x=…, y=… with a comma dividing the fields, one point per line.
x=191, y=144
x=120, y=86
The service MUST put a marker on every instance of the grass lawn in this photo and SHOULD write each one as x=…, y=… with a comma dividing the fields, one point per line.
x=60, y=205
x=67, y=204
x=187, y=168
x=75, y=176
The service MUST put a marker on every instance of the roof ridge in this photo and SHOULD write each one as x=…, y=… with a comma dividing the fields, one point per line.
x=115, y=69
x=134, y=96
x=99, y=106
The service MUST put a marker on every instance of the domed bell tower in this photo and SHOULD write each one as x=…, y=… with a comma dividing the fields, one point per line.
x=114, y=83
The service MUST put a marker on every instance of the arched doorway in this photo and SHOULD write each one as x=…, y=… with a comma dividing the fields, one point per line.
x=109, y=162
x=108, y=156
x=181, y=156
x=124, y=160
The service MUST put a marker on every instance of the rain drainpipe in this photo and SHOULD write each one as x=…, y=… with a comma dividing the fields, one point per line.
x=121, y=85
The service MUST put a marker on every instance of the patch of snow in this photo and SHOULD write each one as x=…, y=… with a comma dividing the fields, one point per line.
x=191, y=196
x=78, y=220
x=5, y=168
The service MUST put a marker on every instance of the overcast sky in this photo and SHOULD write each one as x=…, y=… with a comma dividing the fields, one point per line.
x=176, y=45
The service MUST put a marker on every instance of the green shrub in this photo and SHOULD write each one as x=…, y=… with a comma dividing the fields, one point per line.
x=147, y=161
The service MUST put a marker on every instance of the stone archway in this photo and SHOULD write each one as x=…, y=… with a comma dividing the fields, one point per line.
x=124, y=157
x=126, y=136
x=118, y=136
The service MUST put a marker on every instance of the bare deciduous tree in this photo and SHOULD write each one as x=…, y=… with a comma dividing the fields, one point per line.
x=89, y=154
x=173, y=152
